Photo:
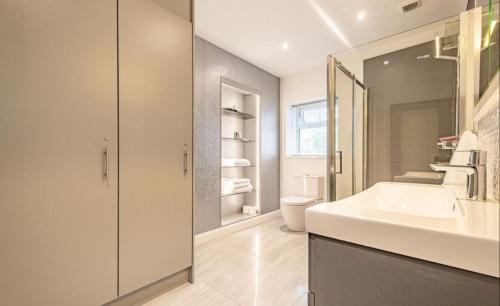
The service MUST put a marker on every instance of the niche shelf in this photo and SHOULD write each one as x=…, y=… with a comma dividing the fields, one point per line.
x=240, y=139
x=237, y=139
x=231, y=112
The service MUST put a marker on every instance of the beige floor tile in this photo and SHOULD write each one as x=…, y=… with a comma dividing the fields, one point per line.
x=235, y=283
x=291, y=256
x=220, y=259
x=302, y=301
x=258, y=266
x=262, y=239
x=271, y=286
x=197, y=294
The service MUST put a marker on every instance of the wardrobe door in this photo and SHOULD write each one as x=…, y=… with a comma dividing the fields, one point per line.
x=58, y=116
x=155, y=115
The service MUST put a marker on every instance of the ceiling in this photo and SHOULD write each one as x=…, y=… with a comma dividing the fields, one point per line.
x=256, y=30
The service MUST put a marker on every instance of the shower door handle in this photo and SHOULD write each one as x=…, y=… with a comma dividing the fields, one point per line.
x=340, y=162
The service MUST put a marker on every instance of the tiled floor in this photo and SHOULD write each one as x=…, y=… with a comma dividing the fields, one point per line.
x=258, y=266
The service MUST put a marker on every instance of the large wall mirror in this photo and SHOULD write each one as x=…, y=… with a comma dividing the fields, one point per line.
x=489, y=46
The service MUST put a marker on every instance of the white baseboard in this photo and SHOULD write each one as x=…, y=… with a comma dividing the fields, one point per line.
x=233, y=228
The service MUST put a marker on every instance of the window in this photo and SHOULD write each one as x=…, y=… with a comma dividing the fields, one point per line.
x=309, y=128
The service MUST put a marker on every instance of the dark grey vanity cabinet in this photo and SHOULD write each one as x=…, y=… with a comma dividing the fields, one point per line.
x=347, y=274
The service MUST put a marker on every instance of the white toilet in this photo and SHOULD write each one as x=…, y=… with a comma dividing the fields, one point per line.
x=308, y=190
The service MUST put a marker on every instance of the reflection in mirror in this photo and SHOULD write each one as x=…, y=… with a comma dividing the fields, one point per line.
x=411, y=104
x=489, y=46
x=412, y=82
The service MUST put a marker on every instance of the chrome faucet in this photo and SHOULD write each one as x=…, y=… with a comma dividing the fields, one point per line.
x=475, y=171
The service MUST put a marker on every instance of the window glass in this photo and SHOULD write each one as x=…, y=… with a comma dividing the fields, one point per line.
x=314, y=114
x=313, y=141
x=310, y=127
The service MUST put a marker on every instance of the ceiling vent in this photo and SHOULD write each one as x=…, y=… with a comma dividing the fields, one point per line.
x=410, y=5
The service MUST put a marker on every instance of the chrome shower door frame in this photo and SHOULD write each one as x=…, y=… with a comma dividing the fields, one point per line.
x=332, y=65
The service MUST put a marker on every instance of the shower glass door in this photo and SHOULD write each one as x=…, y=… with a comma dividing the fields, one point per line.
x=346, y=132
x=344, y=104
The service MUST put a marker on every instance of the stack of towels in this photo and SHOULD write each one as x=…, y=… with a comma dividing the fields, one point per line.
x=231, y=185
x=235, y=162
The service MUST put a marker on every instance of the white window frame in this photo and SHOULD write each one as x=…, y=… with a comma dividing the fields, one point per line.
x=298, y=124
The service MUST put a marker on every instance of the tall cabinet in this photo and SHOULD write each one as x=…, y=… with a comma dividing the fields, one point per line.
x=58, y=186
x=95, y=148
x=155, y=49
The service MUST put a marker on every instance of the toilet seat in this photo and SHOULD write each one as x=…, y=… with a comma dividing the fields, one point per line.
x=297, y=200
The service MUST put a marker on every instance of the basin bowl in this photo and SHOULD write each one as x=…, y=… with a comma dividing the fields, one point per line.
x=410, y=199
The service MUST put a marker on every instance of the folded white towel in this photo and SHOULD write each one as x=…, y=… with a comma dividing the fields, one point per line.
x=233, y=184
x=230, y=184
x=242, y=161
x=229, y=191
x=229, y=188
x=231, y=162
x=235, y=180
x=244, y=189
x=241, y=185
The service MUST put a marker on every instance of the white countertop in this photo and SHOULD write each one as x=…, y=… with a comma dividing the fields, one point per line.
x=469, y=241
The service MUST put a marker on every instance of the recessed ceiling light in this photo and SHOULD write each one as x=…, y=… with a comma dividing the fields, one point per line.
x=284, y=46
x=386, y=62
x=361, y=16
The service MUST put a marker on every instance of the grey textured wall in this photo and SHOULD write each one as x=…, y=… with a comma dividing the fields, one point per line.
x=488, y=140
x=211, y=64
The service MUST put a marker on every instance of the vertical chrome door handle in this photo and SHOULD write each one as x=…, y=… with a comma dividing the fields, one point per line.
x=105, y=170
x=340, y=162
x=185, y=160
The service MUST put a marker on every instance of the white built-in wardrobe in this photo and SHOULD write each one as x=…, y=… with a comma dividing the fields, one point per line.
x=95, y=148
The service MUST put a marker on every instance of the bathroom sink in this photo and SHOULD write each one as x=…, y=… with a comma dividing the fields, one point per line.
x=416, y=220
x=412, y=199
x=420, y=177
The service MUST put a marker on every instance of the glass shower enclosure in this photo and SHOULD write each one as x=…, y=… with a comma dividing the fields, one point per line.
x=347, y=103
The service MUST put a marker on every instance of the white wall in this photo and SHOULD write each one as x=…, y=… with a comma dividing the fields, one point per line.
x=310, y=85
x=306, y=86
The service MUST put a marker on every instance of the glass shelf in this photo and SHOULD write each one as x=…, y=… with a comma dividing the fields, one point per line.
x=236, y=114
x=238, y=140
